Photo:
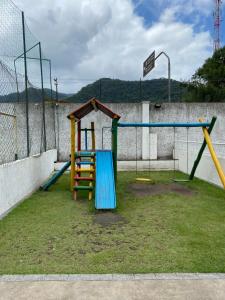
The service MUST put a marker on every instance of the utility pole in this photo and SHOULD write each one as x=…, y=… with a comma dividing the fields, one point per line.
x=217, y=22
x=100, y=89
x=140, y=90
x=56, y=89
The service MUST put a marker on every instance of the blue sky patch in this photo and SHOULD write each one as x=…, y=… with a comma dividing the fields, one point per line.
x=200, y=20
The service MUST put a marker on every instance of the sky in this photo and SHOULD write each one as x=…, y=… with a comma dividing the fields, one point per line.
x=91, y=39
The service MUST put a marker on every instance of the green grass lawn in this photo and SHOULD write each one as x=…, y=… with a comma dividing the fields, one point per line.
x=165, y=232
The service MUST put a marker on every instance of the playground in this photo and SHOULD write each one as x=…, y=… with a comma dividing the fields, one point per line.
x=180, y=230
x=95, y=171
x=88, y=217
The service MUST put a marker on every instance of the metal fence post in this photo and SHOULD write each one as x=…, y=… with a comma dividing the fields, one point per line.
x=26, y=84
x=54, y=104
x=43, y=97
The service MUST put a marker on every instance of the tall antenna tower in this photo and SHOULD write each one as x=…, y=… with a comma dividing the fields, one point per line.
x=217, y=21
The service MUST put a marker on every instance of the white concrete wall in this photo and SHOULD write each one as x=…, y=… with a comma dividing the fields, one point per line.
x=130, y=112
x=206, y=169
x=145, y=131
x=20, y=178
x=146, y=112
x=146, y=165
x=153, y=142
x=185, y=112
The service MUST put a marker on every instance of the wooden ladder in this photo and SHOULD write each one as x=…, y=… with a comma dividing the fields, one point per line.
x=85, y=164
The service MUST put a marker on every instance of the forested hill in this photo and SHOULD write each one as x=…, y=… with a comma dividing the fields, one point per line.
x=114, y=90
x=34, y=95
x=110, y=90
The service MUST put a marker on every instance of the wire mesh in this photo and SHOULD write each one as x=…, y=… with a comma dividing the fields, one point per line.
x=8, y=116
x=23, y=90
x=50, y=125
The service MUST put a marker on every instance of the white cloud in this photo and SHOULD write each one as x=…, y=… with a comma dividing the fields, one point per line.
x=92, y=39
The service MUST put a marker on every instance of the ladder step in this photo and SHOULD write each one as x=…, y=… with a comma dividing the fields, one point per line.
x=84, y=170
x=84, y=154
x=83, y=188
x=85, y=163
x=84, y=178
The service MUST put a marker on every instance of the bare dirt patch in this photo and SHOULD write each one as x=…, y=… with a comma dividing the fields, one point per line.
x=107, y=218
x=142, y=189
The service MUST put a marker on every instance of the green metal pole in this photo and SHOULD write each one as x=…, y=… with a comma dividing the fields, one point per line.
x=114, y=146
x=196, y=163
x=26, y=84
x=43, y=97
x=17, y=85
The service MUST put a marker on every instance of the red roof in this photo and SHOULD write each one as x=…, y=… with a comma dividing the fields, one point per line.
x=92, y=104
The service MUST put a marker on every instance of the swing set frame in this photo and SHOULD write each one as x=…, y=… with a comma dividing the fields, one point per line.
x=207, y=128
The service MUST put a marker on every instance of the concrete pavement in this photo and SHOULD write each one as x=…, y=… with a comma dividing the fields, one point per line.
x=93, y=287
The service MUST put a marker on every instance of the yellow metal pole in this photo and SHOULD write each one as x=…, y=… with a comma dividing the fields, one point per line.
x=72, y=172
x=213, y=155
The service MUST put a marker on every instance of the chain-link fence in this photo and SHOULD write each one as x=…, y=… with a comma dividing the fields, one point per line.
x=25, y=89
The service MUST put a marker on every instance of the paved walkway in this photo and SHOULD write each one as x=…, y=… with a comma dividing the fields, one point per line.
x=118, y=287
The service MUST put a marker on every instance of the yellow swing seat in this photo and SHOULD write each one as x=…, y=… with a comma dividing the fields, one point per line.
x=144, y=179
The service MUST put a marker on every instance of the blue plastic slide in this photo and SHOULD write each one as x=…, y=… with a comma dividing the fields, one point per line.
x=55, y=176
x=105, y=193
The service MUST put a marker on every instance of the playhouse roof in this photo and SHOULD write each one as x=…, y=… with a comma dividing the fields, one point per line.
x=92, y=104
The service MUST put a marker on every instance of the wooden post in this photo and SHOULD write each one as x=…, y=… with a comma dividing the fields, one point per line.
x=93, y=135
x=114, y=146
x=79, y=136
x=90, y=196
x=72, y=138
x=86, y=138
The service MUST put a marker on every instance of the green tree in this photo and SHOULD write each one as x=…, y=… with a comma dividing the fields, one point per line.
x=208, y=82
